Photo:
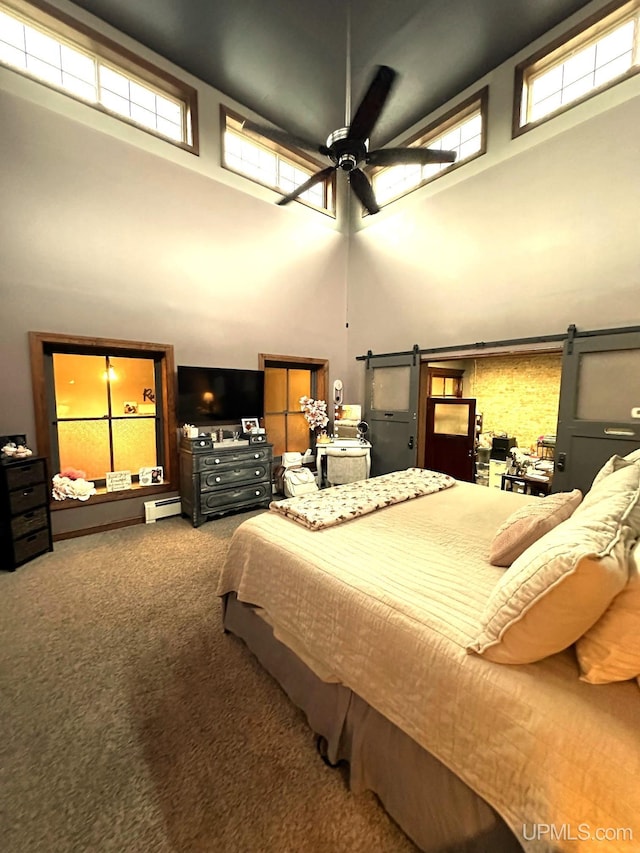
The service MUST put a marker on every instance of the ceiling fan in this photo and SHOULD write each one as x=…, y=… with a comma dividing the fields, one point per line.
x=348, y=147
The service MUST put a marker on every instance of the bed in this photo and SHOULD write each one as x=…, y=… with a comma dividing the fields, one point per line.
x=377, y=628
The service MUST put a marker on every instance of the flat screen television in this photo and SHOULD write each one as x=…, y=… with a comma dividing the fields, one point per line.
x=219, y=395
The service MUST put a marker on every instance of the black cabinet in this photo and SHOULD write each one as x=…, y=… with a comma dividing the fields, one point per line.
x=215, y=479
x=25, y=522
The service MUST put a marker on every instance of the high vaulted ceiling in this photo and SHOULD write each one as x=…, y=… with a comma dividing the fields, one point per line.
x=286, y=59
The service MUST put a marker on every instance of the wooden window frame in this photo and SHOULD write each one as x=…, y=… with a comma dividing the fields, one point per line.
x=40, y=343
x=421, y=138
x=445, y=373
x=319, y=367
x=294, y=156
x=574, y=39
x=122, y=59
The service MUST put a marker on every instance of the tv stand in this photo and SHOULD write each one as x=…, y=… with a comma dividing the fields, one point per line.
x=216, y=480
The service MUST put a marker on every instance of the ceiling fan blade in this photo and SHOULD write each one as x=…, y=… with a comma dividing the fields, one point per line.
x=281, y=137
x=361, y=186
x=372, y=103
x=313, y=180
x=407, y=156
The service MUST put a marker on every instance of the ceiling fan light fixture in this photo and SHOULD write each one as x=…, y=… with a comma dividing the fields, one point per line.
x=347, y=162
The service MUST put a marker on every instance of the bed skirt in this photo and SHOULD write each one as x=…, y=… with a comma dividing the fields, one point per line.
x=430, y=803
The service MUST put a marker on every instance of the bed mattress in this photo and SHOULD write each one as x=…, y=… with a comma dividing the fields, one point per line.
x=386, y=605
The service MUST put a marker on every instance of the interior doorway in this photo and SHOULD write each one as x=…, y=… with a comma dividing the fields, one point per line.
x=516, y=393
x=450, y=437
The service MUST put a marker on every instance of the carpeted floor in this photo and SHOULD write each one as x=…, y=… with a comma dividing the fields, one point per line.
x=130, y=722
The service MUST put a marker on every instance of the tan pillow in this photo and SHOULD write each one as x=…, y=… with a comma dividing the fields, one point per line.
x=610, y=651
x=563, y=583
x=611, y=465
x=614, y=500
x=634, y=456
x=527, y=524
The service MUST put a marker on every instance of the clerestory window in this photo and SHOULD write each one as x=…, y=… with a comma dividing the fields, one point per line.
x=462, y=130
x=43, y=43
x=586, y=61
x=274, y=166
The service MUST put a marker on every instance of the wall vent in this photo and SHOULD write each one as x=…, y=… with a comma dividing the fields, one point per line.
x=153, y=510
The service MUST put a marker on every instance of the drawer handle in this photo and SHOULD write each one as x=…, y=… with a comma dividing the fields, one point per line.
x=256, y=456
x=27, y=492
x=216, y=461
x=257, y=473
x=218, y=479
x=257, y=492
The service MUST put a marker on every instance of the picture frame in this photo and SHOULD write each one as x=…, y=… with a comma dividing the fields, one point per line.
x=248, y=424
x=151, y=476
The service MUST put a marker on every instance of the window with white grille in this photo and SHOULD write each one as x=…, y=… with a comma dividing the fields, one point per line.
x=462, y=131
x=88, y=67
x=273, y=165
x=601, y=53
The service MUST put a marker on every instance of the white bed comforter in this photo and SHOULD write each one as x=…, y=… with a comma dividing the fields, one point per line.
x=387, y=603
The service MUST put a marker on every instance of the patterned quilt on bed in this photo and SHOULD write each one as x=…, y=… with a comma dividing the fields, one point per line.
x=328, y=507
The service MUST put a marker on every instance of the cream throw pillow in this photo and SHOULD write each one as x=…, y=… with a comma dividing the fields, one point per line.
x=610, y=651
x=611, y=465
x=527, y=524
x=614, y=464
x=563, y=583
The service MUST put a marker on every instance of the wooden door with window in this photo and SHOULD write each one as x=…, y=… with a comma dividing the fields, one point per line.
x=450, y=436
x=286, y=379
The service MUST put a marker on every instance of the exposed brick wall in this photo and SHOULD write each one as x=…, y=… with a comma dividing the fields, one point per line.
x=517, y=395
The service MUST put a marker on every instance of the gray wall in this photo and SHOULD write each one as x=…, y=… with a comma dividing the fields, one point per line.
x=540, y=232
x=107, y=231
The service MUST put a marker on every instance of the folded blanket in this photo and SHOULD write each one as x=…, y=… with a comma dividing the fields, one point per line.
x=342, y=503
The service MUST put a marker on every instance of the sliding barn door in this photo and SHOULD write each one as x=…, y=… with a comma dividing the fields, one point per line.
x=599, y=413
x=391, y=410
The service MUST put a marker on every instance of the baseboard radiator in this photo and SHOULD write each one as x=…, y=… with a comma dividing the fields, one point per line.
x=153, y=510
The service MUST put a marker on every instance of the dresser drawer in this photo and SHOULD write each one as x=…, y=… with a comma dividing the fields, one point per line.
x=224, y=477
x=28, y=498
x=27, y=522
x=250, y=494
x=26, y=474
x=30, y=546
x=249, y=456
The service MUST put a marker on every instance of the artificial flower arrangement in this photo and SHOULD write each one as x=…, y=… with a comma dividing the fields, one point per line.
x=315, y=412
x=71, y=483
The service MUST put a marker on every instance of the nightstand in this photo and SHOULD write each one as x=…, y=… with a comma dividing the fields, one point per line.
x=25, y=521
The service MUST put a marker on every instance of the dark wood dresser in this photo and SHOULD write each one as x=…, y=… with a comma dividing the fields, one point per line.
x=25, y=521
x=215, y=479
